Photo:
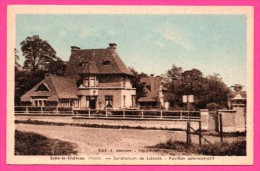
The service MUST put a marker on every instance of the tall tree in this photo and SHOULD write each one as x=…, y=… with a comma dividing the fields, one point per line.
x=38, y=53
x=206, y=90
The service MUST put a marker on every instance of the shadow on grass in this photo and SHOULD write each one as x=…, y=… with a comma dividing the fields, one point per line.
x=236, y=148
x=28, y=143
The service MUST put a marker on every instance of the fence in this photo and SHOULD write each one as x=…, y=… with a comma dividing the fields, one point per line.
x=137, y=114
x=43, y=110
x=107, y=113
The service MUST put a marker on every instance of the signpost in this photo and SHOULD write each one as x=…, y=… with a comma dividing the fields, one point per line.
x=188, y=99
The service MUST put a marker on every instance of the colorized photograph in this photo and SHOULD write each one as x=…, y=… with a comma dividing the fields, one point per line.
x=160, y=87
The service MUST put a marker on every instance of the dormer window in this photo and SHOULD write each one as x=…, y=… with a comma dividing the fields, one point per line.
x=83, y=64
x=106, y=61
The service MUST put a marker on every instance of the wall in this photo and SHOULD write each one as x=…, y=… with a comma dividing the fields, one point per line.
x=233, y=120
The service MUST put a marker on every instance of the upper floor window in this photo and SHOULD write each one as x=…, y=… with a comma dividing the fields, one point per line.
x=90, y=81
x=83, y=64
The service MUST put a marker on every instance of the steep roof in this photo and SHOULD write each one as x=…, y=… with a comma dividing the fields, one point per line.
x=152, y=88
x=95, y=61
x=238, y=94
x=57, y=89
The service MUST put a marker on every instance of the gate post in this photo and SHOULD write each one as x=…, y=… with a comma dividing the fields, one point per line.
x=221, y=127
x=188, y=138
x=204, y=117
x=200, y=133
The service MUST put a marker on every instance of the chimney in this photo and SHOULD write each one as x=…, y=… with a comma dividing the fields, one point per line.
x=74, y=48
x=238, y=87
x=112, y=45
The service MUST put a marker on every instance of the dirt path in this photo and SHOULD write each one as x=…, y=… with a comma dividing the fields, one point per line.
x=93, y=141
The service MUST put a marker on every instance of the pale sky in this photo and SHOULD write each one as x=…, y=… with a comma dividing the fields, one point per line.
x=149, y=43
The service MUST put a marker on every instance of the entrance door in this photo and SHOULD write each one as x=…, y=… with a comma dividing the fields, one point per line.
x=92, y=103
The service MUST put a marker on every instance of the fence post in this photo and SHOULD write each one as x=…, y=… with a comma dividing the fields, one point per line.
x=41, y=110
x=142, y=112
x=181, y=115
x=123, y=113
x=200, y=133
x=221, y=128
x=106, y=112
x=161, y=114
x=89, y=112
x=26, y=109
x=188, y=140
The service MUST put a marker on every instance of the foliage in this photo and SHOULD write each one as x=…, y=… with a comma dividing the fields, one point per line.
x=40, y=60
x=24, y=81
x=210, y=89
x=57, y=67
x=27, y=143
x=136, y=82
x=38, y=53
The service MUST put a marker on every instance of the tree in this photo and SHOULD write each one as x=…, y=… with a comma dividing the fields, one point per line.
x=136, y=82
x=206, y=90
x=38, y=53
x=57, y=67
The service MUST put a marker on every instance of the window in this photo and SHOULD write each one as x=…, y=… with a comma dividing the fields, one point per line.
x=133, y=100
x=83, y=64
x=86, y=82
x=106, y=61
x=109, y=101
x=40, y=102
x=90, y=81
x=124, y=100
x=76, y=103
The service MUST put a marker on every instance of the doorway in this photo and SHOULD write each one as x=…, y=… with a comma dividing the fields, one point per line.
x=92, y=102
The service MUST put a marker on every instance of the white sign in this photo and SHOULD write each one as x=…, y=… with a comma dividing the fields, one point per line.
x=185, y=99
x=188, y=98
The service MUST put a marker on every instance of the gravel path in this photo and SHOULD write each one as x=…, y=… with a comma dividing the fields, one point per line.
x=94, y=141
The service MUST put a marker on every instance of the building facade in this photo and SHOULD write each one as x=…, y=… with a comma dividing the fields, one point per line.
x=94, y=78
x=153, y=97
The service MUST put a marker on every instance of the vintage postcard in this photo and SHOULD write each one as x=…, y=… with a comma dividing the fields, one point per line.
x=130, y=85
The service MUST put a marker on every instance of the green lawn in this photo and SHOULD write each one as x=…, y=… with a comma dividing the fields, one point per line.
x=28, y=143
x=236, y=148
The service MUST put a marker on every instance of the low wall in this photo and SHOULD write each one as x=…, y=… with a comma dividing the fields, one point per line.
x=233, y=120
x=144, y=123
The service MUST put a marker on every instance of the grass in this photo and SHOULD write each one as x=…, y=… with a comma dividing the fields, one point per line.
x=236, y=148
x=27, y=143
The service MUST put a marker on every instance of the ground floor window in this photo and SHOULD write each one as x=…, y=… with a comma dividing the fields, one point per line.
x=109, y=101
x=133, y=100
x=39, y=102
x=76, y=103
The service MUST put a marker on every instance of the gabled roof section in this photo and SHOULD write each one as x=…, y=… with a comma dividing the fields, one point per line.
x=152, y=87
x=59, y=88
x=51, y=94
x=43, y=87
x=65, y=87
x=238, y=94
x=98, y=61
